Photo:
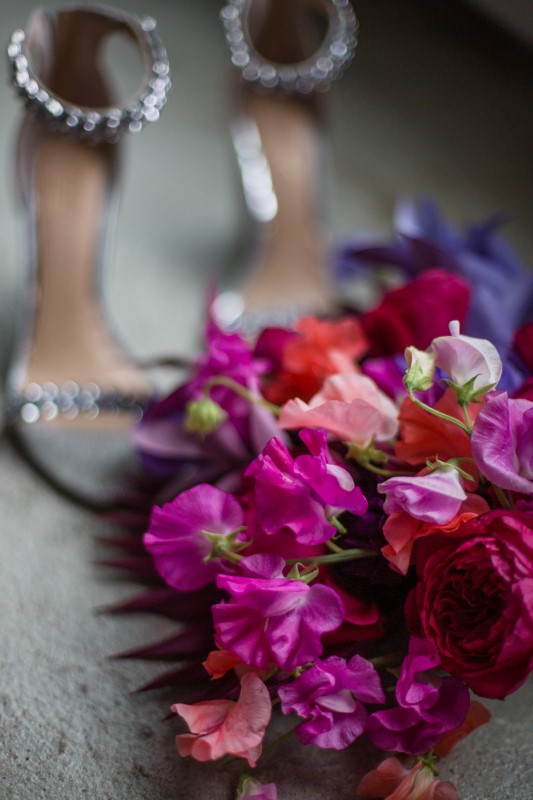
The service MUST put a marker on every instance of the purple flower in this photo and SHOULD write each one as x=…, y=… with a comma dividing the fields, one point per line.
x=183, y=554
x=250, y=789
x=502, y=290
x=304, y=493
x=331, y=693
x=435, y=497
x=428, y=706
x=160, y=437
x=274, y=620
x=502, y=442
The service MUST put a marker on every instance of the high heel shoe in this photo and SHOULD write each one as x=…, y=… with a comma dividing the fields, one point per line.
x=69, y=377
x=287, y=54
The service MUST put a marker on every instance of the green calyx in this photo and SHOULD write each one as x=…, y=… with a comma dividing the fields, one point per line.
x=467, y=394
x=303, y=572
x=452, y=463
x=225, y=546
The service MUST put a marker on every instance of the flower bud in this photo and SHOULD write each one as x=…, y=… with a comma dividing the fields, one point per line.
x=420, y=369
x=203, y=416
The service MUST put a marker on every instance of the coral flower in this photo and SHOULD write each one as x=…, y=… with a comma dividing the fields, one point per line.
x=320, y=348
x=351, y=407
x=425, y=436
x=224, y=727
x=391, y=781
x=402, y=530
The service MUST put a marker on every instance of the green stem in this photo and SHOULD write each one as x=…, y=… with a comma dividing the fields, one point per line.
x=502, y=497
x=469, y=424
x=439, y=414
x=386, y=473
x=242, y=391
x=280, y=740
x=334, y=547
x=334, y=558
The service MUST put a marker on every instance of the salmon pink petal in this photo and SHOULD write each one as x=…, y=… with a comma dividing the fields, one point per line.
x=382, y=781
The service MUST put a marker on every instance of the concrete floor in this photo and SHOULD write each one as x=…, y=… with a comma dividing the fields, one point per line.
x=434, y=103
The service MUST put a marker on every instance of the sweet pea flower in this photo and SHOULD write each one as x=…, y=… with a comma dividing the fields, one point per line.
x=435, y=497
x=274, y=620
x=331, y=694
x=224, y=727
x=465, y=359
x=302, y=494
x=427, y=707
x=315, y=350
x=185, y=557
x=391, y=781
x=420, y=369
x=351, y=407
x=502, y=442
x=250, y=789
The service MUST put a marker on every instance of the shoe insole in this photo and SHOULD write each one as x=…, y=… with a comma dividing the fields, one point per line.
x=289, y=268
x=70, y=338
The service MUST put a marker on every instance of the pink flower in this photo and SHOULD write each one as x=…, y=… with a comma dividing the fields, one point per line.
x=331, y=694
x=224, y=727
x=502, y=442
x=391, y=781
x=402, y=531
x=351, y=407
x=250, y=789
x=474, y=601
x=465, y=358
x=435, y=497
x=302, y=494
x=427, y=708
x=176, y=536
x=275, y=620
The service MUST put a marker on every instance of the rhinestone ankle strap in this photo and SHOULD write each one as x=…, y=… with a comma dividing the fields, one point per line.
x=313, y=74
x=96, y=124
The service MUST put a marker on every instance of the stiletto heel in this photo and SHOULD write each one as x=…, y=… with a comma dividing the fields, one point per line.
x=68, y=374
x=287, y=55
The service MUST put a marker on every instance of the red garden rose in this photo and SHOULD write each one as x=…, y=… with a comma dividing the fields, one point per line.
x=474, y=601
x=416, y=313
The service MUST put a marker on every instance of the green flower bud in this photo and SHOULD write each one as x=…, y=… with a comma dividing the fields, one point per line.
x=420, y=369
x=203, y=416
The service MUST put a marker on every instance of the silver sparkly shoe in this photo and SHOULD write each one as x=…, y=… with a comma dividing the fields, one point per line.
x=286, y=55
x=71, y=390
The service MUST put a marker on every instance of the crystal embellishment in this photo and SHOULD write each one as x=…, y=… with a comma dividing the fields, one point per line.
x=315, y=73
x=106, y=124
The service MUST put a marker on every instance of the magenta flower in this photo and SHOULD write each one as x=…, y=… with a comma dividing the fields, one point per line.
x=185, y=557
x=502, y=442
x=428, y=706
x=331, y=693
x=435, y=497
x=274, y=620
x=250, y=789
x=304, y=493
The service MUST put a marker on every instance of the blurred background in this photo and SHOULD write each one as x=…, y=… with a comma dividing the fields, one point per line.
x=437, y=102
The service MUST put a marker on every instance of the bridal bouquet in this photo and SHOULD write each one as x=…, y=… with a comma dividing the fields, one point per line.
x=346, y=532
